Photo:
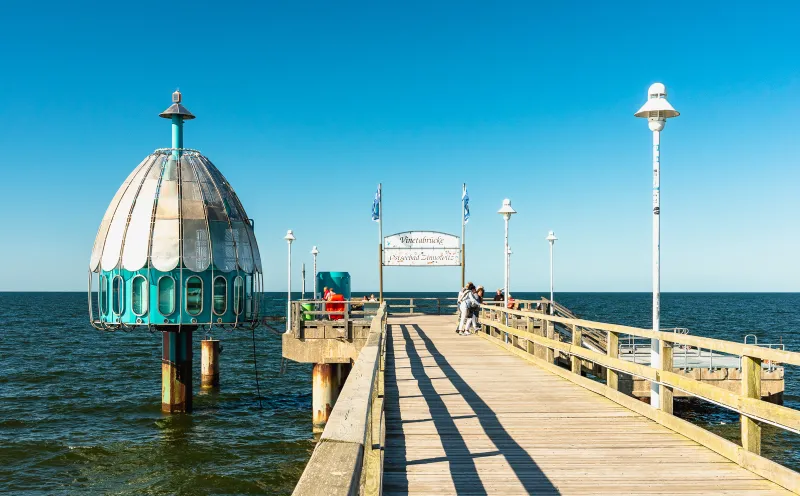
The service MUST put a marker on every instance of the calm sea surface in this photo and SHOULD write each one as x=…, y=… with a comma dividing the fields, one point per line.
x=80, y=409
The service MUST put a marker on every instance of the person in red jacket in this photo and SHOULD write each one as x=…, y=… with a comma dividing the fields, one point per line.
x=335, y=305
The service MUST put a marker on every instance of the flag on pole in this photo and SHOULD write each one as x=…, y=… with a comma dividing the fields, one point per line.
x=376, y=205
x=465, y=200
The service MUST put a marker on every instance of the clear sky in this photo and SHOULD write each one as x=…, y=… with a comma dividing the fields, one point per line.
x=306, y=106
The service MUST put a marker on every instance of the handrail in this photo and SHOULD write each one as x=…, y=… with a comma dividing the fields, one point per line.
x=788, y=357
x=441, y=304
x=419, y=298
x=351, y=312
x=748, y=403
x=348, y=459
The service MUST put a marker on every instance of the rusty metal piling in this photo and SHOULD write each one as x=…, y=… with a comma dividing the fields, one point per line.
x=323, y=394
x=327, y=382
x=209, y=363
x=176, y=371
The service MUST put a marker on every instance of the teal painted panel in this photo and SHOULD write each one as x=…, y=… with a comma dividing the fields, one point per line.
x=339, y=281
x=172, y=307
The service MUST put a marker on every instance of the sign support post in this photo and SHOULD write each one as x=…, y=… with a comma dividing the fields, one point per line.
x=463, y=232
x=380, y=241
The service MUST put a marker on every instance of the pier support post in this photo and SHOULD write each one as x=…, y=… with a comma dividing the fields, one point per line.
x=176, y=371
x=209, y=363
x=751, y=388
x=341, y=371
x=612, y=350
x=323, y=394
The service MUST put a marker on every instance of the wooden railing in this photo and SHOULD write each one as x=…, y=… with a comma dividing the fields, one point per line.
x=317, y=309
x=348, y=459
x=440, y=306
x=540, y=347
x=426, y=305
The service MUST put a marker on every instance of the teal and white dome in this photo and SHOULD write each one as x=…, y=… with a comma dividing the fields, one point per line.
x=170, y=213
x=175, y=246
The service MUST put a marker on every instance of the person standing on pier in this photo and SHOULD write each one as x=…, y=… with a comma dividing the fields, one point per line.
x=460, y=305
x=499, y=295
x=466, y=305
x=471, y=307
x=475, y=310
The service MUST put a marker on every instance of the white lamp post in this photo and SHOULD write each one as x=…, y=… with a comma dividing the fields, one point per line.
x=289, y=238
x=315, y=252
x=656, y=110
x=551, y=238
x=508, y=258
x=506, y=211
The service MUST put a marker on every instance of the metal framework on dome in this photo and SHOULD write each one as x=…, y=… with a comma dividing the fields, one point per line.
x=175, y=247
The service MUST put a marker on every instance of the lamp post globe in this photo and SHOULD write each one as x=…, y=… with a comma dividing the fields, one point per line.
x=656, y=110
x=289, y=238
x=506, y=211
x=551, y=238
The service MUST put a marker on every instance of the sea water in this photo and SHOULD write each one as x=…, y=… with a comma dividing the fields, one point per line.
x=80, y=409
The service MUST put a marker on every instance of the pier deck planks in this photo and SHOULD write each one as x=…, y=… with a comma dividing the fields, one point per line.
x=465, y=417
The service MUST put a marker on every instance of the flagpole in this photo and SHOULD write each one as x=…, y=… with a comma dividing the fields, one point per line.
x=380, y=240
x=463, y=239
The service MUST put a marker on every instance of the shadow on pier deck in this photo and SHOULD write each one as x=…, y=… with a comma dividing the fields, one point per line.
x=427, y=411
x=466, y=417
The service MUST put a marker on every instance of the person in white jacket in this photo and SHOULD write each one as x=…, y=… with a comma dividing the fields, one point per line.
x=468, y=303
x=462, y=295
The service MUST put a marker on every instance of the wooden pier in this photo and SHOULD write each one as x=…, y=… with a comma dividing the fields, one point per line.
x=427, y=411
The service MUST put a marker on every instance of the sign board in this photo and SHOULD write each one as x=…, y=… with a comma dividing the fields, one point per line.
x=422, y=248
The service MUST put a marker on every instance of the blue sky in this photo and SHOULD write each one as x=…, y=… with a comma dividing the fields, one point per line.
x=306, y=106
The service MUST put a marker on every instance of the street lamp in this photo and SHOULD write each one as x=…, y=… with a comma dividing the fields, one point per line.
x=551, y=238
x=508, y=258
x=315, y=252
x=289, y=238
x=506, y=211
x=656, y=110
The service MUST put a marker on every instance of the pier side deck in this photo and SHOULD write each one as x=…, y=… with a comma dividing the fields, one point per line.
x=464, y=416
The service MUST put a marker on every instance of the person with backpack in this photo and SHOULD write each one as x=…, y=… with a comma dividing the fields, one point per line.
x=476, y=309
x=465, y=292
x=470, y=306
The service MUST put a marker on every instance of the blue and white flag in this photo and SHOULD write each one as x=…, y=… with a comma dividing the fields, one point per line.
x=376, y=205
x=465, y=200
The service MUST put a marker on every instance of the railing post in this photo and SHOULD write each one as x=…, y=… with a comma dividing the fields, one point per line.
x=411, y=305
x=529, y=326
x=372, y=467
x=612, y=350
x=538, y=350
x=665, y=397
x=751, y=388
x=515, y=325
x=295, y=320
x=550, y=334
x=347, y=326
x=576, y=342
